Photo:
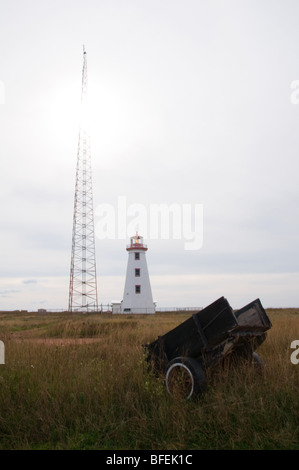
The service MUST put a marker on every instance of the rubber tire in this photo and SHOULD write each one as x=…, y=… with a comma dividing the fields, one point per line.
x=193, y=369
x=257, y=362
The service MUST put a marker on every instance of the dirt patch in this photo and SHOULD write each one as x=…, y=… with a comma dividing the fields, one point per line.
x=57, y=341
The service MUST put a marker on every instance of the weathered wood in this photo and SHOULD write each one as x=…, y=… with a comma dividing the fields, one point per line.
x=211, y=334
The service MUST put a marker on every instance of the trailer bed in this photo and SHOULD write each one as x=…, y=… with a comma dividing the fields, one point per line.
x=212, y=334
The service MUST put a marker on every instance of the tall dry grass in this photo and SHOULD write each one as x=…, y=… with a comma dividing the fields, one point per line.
x=81, y=382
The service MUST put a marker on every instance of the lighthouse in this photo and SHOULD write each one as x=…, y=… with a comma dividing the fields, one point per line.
x=137, y=297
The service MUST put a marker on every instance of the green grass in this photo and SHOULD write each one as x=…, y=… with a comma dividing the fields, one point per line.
x=81, y=382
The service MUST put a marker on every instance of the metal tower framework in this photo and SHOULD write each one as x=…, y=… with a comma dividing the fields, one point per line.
x=83, y=295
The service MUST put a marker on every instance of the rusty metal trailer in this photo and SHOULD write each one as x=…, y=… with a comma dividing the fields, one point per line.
x=204, y=340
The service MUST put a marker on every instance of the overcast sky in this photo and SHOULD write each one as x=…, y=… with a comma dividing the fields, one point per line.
x=191, y=102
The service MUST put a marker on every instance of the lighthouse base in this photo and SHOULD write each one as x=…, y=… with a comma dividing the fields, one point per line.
x=119, y=308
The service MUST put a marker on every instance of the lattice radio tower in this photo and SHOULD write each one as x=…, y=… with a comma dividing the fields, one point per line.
x=83, y=294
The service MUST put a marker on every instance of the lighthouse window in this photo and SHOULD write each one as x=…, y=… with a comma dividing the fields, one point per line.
x=137, y=289
x=137, y=272
x=137, y=255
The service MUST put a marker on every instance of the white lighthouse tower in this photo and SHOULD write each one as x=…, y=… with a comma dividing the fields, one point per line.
x=137, y=296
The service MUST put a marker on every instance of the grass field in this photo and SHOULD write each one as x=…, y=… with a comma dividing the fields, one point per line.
x=73, y=381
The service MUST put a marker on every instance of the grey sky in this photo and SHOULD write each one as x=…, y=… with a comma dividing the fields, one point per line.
x=190, y=104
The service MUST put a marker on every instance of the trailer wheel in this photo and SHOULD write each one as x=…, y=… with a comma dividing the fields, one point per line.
x=257, y=362
x=185, y=378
